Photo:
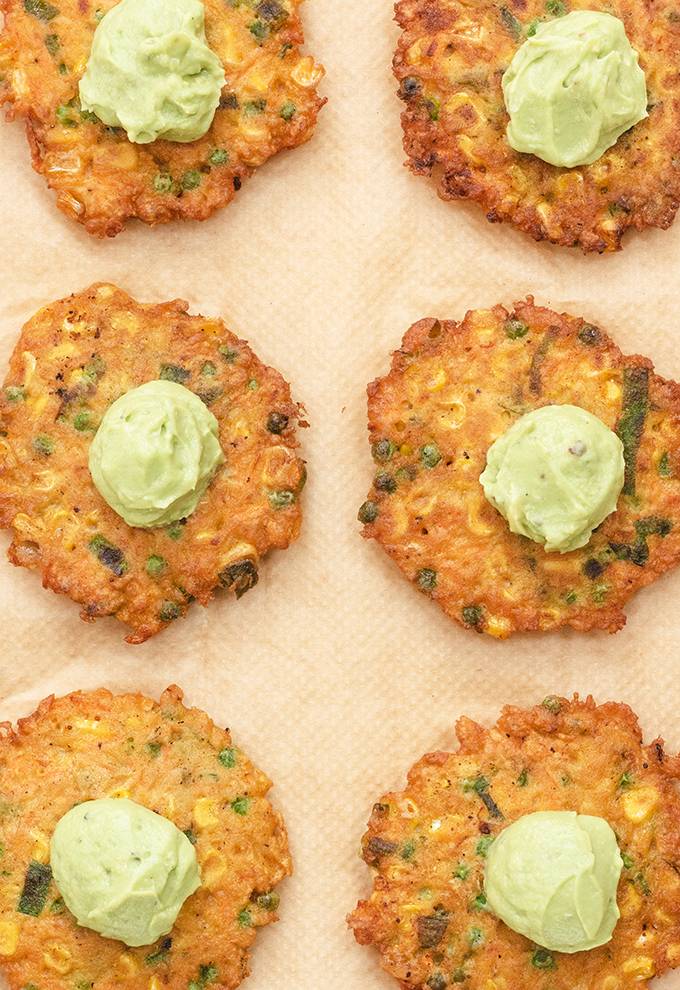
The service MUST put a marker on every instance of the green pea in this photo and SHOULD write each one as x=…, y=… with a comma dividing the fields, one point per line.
x=514, y=328
x=227, y=757
x=81, y=421
x=282, y=499
x=241, y=806
x=368, y=512
x=427, y=579
x=43, y=445
x=191, y=179
x=288, y=110
x=219, y=157
x=430, y=455
x=169, y=612
x=155, y=565
x=15, y=393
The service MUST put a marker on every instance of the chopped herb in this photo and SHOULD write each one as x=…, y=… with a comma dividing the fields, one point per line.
x=542, y=959
x=169, y=612
x=41, y=9
x=625, y=780
x=532, y=27
x=510, y=22
x=408, y=850
x=288, y=110
x=427, y=579
x=430, y=455
x=432, y=928
x=241, y=806
x=190, y=179
x=163, y=182
x=155, y=565
x=109, y=555
x=175, y=530
x=641, y=880
x=281, y=499
x=93, y=371
x=433, y=107
x=571, y=597
x=219, y=157
x=206, y=975
x=461, y=872
x=540, y=354
x=628, y=861
x=663, y=468
x=475, y=937
x=477, y=784
x=259, y=30
x=269, y=901
x=239, y=577
x=228, y=353
x=479, y=903
x=437, y=982
x=161, y=953
x=473, y=615
x=491, y=805
x=385, y=483
x=368, y=512
x=57, y=906
x=277, y=422
x=482, y=847
x=630, y=426
x=174, y=373
x=253, y=385
x=209, y=370
x=556, y=7
x=43, y=445
x=191, y=836
x=523, y=778
x=377, y=847
x=34, y=893
x=599, y=593
x=15, y=393
x=514, y=328
x=459, y=975
x=64, y=116
x=63, y=69
x=153, y=749
x=52, y=43
x=227, y=757
x=552, y=704
x=245, y=919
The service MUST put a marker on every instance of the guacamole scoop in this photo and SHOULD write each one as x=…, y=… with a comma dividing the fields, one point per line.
x=552, y=876
x=555, y=475
x=151, y=71
x=573, y=88
x=123, y=870
x=155, y=453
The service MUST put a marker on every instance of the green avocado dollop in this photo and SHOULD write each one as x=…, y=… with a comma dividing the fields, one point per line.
x=123, y=870
x=552, y=876
x=155, y=453
x=151, y=71
x=555, y=475
x=573, y=89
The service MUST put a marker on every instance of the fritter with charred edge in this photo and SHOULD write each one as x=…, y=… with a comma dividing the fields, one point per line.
x=269, y=103
x=73, y=359
x=427, y=914
x=176, y=762
x=450, y=61
x=452, y=390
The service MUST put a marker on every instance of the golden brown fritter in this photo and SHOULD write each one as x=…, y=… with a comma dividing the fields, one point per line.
x=426, y=844
x=73, y=359
x=450, y=61
x=175, y=761
x=455, y=388
x=269, y=103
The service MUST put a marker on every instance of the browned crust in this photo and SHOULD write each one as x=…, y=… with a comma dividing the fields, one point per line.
x=460, y=385
x=450, y=61
x=562, y=755
x=164, y=756
x=72, y=360
x=102, y=179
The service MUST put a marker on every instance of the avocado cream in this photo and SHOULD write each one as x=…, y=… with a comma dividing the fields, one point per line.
x=552, y=876
x=123, y=870
x=155, y=453
x=555, y=475
x=151, y=71
x=573, y=89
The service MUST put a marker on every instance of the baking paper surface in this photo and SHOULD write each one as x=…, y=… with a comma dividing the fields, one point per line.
x=334, y=673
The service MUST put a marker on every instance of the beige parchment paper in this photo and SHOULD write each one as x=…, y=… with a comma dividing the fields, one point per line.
x=334, y=673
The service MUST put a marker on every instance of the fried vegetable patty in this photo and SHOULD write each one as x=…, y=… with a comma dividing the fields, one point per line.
x=269, y=103
x=174, y=761
x=427, y=914
x=73, y=359
x=450, y=62
x=452, y=390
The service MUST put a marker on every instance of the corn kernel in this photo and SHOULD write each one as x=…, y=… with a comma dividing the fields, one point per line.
x=154, y=983
x=213, y=868
x=639, y=804
x=630, y=902
x=9, y=938
x=497, y=626
x=58, y=959
x=41, y=848
x=610, y=983
x=307, y=73
x=127, y=965
x=119, y=793
x=641, y=967
x=204, y=813
x=673, y=954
